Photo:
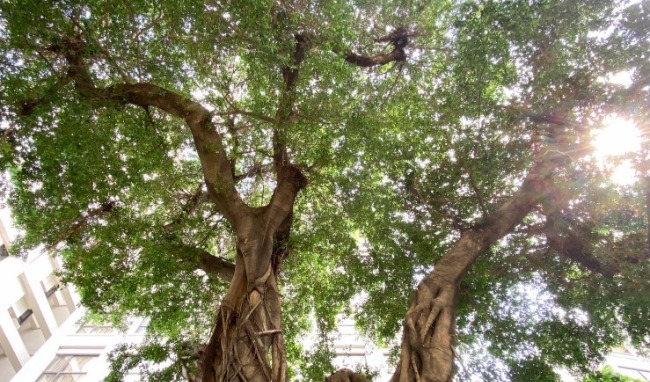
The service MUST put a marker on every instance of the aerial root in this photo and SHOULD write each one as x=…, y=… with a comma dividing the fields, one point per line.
x=429, y=323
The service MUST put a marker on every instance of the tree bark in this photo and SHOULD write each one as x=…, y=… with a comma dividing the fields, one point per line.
x=428, y=338
x=247, y=343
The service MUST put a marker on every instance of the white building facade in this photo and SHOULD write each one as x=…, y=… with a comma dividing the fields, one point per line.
x=34, y=304
x=42, y=337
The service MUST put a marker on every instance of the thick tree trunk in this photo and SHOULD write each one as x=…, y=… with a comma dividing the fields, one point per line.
x=427, y=352
x=247, y=343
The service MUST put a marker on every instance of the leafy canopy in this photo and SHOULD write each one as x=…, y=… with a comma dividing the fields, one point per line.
x=400, y=159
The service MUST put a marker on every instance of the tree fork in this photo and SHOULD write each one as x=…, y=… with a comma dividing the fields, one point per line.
x=248, y=328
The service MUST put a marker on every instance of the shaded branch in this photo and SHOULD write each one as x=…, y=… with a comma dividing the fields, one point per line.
x=198, y=198
x=217, y=268
x=284, y=113
x=474, y=186
x=397, y=55
x=563, y=239
x=290, y=179
x=548, y=118
x=568, y=244
x=26, y=107
x=8, y=135
x=535, y=229
x=79, y=224
x=257, y=169
x=399, y=39
x=456, y=222
x=627, y=97
x=109, y=58
x=290, y=72
x=237, y=111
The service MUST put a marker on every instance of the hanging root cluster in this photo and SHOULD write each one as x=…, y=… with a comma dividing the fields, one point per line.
x=427, y=345
x=247, y=343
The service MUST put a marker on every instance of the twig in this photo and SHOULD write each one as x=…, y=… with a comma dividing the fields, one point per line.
x=473, y=185
x=269, y=332
x=392, y=87
x=237, y=111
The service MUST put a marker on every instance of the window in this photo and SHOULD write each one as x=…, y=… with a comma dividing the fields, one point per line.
x=132, y=377
x=95, y=329
x=142, y=328
x=66, y=368
x=50, y=284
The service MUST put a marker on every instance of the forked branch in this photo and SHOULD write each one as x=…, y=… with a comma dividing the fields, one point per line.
x=209, y=145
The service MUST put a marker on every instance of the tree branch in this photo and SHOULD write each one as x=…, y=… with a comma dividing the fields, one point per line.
x=198, y=198
x=109, y=58
x=397, y=55
x=257, y=169
x=568, y=244
x=209, y=145
x=284, y=112
x=290, y=72
x=548, y=118
x=79, y=224
x=290, y=179
x=217, y=268
x=399, y=38
x=456, y=222
x=8, y=135
x=26, y=107
x=237, y=111
x=474, y=186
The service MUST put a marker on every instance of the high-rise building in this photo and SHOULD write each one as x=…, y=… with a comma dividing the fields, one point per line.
x=33, y=305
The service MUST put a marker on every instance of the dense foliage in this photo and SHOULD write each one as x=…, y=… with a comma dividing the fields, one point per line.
x=402, y=158
x=608, y=375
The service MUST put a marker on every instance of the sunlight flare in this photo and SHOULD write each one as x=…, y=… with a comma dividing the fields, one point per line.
x=618, y=136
